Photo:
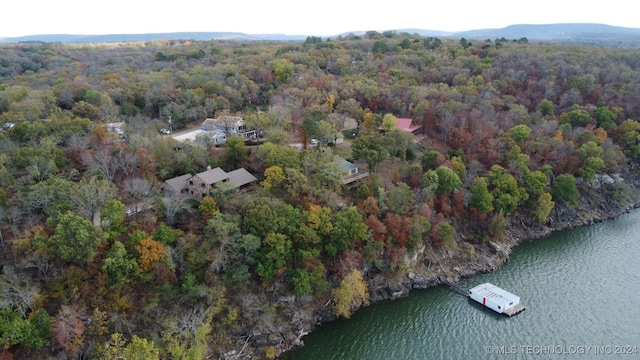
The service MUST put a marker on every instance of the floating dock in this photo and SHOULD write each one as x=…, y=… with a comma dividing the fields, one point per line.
x=514, y=310
x=496, y=299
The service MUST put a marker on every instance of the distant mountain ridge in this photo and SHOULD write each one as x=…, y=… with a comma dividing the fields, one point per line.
x=201, y=36
x=579, y=33
x=552, y=32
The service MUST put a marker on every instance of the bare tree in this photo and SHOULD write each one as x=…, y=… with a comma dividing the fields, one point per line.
x=192, y=320
x=14, y=215
x=101, y=161
x=17, y=291
x=338, y=120
x=126, y=162
x=448, y=114
x=108, y=110
x=89, y=196
x=173, y=204
x=137, y=189
x=447, y=122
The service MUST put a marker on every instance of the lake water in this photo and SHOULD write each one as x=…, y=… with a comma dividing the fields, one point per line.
x=581, y=288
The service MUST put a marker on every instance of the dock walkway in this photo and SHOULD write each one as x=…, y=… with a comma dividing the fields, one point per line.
x=514, y=310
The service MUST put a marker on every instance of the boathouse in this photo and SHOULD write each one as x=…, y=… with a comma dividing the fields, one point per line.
x=496, y=299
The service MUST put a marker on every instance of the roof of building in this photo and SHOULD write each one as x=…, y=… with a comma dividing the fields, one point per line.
x=178, y=183
x=209, y=121
x=212, y=134
x=497, y=295
x=223, y=120
x=212, y=176
x=406, y=124
x=240, y=177
x=346, y=165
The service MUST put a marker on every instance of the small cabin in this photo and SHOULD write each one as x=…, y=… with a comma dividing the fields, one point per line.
x=496, y=299
x=350, y=172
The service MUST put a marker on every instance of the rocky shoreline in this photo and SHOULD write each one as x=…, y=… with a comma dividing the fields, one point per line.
x=306, y=316
x=594, y=209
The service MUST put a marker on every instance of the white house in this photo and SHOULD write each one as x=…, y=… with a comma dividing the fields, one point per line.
x=228, y=125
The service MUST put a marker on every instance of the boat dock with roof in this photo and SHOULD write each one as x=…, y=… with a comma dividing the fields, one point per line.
x=496, y=299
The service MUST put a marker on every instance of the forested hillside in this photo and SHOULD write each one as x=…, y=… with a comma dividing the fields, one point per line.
x=98, y=260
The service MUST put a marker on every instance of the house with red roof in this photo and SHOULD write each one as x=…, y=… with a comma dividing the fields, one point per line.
x=407, y=125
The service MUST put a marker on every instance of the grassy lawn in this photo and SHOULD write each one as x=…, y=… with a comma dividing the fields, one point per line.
x=343, y=150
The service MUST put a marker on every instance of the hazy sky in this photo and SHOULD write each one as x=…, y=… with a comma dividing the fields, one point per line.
x=321, y=18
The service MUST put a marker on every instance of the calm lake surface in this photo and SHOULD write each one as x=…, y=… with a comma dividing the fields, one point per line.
x=581, y=288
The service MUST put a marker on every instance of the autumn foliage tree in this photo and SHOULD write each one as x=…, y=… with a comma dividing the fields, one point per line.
x=137, y=348
x=208, y=207
x=398, y=228
x=273, y=176
x=69, y=330
x=350, y=294
x=149, y=252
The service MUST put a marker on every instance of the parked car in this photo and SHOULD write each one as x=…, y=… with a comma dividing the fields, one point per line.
x=131, y=211
x=165, y=131
x=314, y=142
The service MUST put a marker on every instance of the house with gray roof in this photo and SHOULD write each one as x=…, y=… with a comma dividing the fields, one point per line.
x=205, y=183
x=201, y=184
x=241, y=177
x=178, y=184
x=225, y=123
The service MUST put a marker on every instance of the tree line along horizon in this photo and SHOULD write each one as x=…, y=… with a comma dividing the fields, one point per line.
x=511, y=130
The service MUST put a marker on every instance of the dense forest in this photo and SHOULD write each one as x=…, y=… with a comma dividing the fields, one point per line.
x=512, y=134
